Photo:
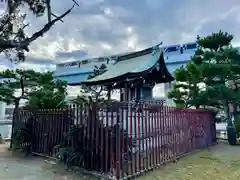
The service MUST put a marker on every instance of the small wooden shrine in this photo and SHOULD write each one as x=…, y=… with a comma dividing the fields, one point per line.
x=135, y=74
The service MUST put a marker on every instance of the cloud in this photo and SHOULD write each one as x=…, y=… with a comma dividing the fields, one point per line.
x=37, y=67
x=102, y=27
x=72, y=55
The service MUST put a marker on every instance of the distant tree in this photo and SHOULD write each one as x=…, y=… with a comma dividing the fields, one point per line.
x=50, y=94
x=186, y=90
x=13, y=81
x=14, y=41
x=95, y=93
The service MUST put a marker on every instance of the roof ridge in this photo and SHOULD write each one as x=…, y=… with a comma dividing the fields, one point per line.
x=115, y=55
x=123, y=55
x=139, y=53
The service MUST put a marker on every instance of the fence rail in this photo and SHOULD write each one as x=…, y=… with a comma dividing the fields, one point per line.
x=121, y=140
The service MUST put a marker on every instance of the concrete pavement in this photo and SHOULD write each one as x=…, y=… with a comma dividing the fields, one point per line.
x=15, y=167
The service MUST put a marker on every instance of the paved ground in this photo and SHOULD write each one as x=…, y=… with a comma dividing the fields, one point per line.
x=219, y=162
x=15, y=167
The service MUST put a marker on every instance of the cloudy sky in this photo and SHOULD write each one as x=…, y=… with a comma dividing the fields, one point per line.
x=100, y=27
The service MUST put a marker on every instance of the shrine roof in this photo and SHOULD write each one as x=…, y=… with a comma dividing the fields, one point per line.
x=133, y=64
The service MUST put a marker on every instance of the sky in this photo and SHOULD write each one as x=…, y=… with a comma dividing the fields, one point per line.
x=103, y=27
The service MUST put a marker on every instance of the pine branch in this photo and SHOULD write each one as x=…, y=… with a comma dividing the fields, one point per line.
x=4, y=44
x=4, y=23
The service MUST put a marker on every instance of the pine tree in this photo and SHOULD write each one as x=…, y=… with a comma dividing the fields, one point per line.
x=216, y=64
x=14, y=41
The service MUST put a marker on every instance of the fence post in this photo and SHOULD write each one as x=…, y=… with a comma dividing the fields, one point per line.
x=213, y=129
x=15, y=115
x=118, y=140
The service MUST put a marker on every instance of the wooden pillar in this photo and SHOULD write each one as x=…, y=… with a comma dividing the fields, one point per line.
x=125, y=94
x=129, y=95
x=109, y=93
x=121, y=95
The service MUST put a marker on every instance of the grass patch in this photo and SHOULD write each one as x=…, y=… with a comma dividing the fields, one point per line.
x=211, y=165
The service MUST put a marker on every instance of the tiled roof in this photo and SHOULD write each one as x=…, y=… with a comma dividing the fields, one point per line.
x=132, y=64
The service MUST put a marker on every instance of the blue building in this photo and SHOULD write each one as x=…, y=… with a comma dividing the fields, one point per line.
x=76, y=72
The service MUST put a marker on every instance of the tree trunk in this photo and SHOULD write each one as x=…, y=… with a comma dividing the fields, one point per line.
x=14, y=122
x=231, y=131
x=234, y=113
x=227, y=111
x=109, y=94
x=17, y=102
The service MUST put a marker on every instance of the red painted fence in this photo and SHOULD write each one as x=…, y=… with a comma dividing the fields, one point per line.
x=122, y=140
